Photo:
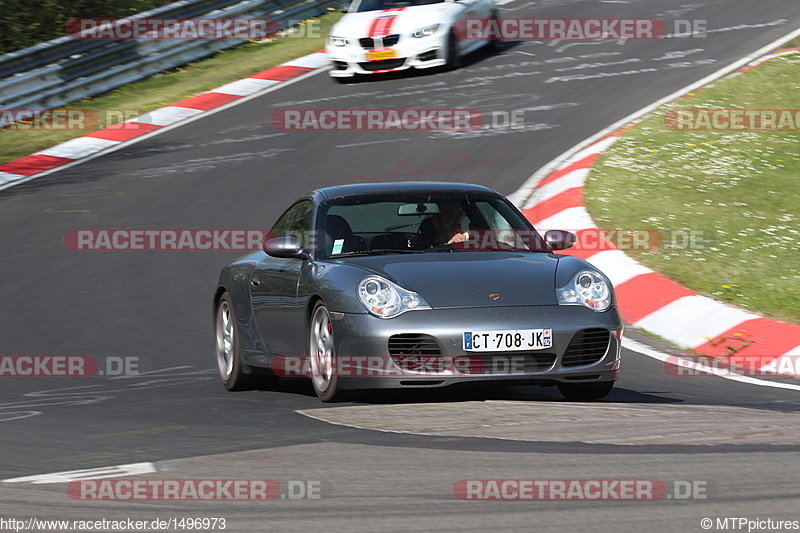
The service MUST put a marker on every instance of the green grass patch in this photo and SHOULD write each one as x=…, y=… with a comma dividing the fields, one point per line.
x=176, y=84
x=740, y=189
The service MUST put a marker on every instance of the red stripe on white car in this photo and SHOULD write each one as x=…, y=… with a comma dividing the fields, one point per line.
x=382, y=25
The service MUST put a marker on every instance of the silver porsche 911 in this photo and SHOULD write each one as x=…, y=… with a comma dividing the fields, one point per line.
x=415, y=285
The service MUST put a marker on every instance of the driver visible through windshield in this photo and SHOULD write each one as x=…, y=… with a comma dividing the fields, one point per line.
x=374, y=225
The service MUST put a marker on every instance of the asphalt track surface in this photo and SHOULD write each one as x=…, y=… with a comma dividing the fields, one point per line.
x=384, y=462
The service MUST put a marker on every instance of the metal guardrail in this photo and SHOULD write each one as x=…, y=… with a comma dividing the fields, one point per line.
x=55, y=50
x=64, y=70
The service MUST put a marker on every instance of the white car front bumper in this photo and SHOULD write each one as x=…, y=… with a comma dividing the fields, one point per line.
x=409, y=52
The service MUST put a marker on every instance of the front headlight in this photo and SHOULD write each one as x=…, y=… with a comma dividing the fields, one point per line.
x=426, y=31
x=385, y=299
x=337, y=41
x=586, y=288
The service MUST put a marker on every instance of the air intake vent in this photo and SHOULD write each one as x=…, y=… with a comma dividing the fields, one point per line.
x=388, y=41
x=386, y=64
x=391, y=40
x=416, y=353
x=586, y=347
x=504, y=363
x=413, y=344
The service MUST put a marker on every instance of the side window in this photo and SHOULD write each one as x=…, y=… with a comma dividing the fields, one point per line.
x=504, y=230
x=493, y=217
x=296, y=222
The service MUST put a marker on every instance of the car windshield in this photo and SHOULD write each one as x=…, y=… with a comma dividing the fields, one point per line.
x=360, y=6
x=421, y=223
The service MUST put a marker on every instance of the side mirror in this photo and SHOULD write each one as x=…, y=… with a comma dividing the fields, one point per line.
x=285, y=247
x=559, y=240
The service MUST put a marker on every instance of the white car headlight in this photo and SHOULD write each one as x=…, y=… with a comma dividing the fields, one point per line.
x=426, y=31
x=385, y=299
x=337, y=41
x=586, y=288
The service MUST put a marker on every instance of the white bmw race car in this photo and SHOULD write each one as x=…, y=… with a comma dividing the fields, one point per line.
x=389, y=35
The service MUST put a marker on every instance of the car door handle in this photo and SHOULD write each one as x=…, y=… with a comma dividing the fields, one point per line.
x=255, y=281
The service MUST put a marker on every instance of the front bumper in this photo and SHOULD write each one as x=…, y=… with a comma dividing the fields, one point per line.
x=410, y=52
x=361, y=338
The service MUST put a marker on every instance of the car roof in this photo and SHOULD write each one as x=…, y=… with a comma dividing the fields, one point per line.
x=398, y=187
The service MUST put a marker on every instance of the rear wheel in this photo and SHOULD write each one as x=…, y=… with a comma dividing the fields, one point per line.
x=321, y=353
x=585, y=392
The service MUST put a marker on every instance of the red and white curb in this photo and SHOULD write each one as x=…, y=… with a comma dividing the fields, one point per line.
x=770, y=57
x=646, y=299
x=31, y=166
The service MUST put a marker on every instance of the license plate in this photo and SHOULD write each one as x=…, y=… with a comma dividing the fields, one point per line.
x=382, y=55
x=508, y=340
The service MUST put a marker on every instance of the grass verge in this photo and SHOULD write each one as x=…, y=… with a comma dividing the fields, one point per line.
x=741, y=189
x=176, y=84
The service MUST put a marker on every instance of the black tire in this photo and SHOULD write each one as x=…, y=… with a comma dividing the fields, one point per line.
x=227, y=351
x=454, y=59
x=321, y=352
x=495, y=44
x=585, y=392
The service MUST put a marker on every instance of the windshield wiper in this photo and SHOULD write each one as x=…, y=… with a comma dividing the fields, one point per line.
x=379, y=251
x=398, y=226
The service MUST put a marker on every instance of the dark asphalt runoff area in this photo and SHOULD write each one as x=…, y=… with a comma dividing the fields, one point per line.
x=382, y=462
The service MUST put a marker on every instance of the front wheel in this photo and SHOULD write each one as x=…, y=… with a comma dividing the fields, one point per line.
x=494, y=44
x=229, y=358
x=321, y=353
x=585, y=392
x=454, y=59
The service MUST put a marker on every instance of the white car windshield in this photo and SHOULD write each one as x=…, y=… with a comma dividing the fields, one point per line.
x=361, y=6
